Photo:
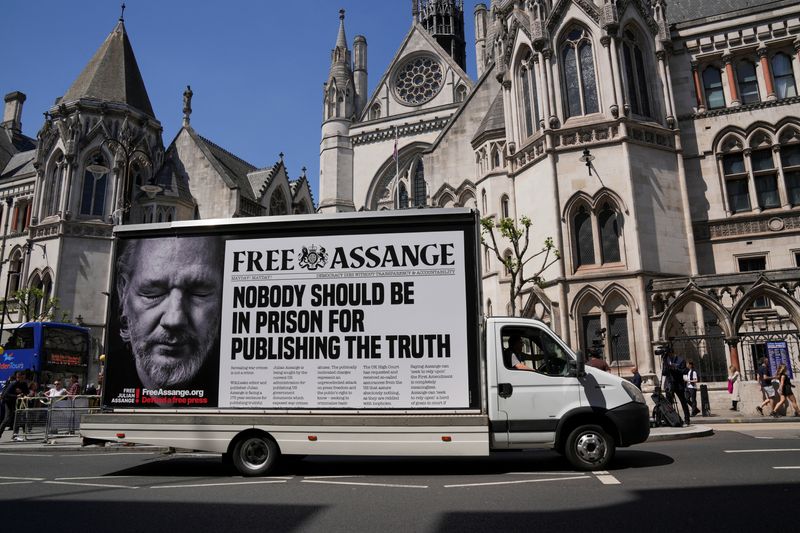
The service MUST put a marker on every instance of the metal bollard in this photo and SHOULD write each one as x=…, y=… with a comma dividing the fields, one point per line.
x=705, y=405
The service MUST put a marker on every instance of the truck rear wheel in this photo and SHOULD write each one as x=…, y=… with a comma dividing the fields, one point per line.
x=255, y=455
x=589, y=448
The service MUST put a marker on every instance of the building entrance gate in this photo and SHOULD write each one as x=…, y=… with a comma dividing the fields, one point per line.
x=754, y=347
x=706, y=348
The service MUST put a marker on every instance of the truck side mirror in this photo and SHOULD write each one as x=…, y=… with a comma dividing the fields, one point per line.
x=580, y=364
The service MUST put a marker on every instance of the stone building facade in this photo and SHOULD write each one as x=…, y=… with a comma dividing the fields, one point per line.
x=98, y=161
x=655, y=141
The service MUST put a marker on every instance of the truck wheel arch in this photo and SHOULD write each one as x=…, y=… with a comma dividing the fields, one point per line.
x=269, y=449
x=579, y=417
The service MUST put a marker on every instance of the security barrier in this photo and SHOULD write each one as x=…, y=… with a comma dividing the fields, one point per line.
x=42, y=418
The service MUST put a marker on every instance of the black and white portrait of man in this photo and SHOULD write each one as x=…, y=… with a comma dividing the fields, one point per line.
x=168, y=294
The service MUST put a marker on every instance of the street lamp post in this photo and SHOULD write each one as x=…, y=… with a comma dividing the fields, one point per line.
x=9, y=203
x=5, y=302
x=129, y=154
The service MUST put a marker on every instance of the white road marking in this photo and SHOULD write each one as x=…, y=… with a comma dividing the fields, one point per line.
x=329, y=477
x=765, y=450
x=515, y=482
x=16, y=483
x=391, y=485
x=91, y=477
x=198, y=485
x=764, y=438
x=542, y=473
x=605, y=478
x=101, y=485
x=23, y=478
x=786, y=467
x=26, y=454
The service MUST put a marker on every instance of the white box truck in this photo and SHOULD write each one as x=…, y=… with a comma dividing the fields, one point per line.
x=347, y=334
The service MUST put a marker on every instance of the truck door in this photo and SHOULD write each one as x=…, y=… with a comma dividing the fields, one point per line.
x=534, y=385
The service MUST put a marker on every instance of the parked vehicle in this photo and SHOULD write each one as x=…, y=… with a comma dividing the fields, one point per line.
x=50, y=349
x=348, y=334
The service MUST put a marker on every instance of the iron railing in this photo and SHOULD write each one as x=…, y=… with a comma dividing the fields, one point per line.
x=42, y=418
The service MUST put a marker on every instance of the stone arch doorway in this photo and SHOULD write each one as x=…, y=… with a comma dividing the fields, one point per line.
x=696, y=333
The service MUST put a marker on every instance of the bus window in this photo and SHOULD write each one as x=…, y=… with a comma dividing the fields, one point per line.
x=65, y=347
x=21, y=339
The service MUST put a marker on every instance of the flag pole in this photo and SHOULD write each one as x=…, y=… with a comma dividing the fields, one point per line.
x=396, y=171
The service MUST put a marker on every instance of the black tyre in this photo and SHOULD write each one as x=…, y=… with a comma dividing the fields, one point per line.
x=255, y=455
x=589, y=448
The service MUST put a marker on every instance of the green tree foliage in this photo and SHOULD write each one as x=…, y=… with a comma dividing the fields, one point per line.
x=33, y=309
x=518, y=235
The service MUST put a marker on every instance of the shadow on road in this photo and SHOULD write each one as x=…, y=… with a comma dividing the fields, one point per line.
x=539, y=461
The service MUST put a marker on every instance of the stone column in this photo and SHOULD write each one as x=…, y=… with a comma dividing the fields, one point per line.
x=544, y=94
x=766, y=70
x=669, y=113
x=733, y=343
x=548, y=68
x=782, y=192
x=698, y=89
x=735, y=99
x=605, y=40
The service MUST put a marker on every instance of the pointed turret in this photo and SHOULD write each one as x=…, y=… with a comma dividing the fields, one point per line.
x=112, y=75
x=341, y=103
x=339, y=89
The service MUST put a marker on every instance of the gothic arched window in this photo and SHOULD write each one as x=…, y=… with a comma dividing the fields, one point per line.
x=785, y=86
x=584, y=240
x=14, y=271
x=504, y=206
x=277, y=203
x=53, y=188
x=375, y=111
x=403, y=200
x=635, y=74
x=609, y=234
x=748, y=82
x=93, y=196
x=712, y=85
x=580, y=79
x=528, y=97
x=420, y=192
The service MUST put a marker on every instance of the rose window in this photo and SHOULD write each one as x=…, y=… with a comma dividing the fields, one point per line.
x=418, y=80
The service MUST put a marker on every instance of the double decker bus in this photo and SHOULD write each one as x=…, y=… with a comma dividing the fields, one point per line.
x=50, y=349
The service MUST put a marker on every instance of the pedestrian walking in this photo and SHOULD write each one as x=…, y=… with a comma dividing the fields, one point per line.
x=785, y=392
x=734, y=378
x=691, y=377
x=767, y=390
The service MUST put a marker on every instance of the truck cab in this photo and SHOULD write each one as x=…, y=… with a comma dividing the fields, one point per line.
x=542, y=395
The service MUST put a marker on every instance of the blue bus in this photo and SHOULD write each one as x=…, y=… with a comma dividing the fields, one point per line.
x=50, y=349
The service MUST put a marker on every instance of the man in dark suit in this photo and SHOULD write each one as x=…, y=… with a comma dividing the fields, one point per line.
x=673, y=371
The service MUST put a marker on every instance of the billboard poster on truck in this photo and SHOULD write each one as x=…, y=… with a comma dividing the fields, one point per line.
x=356, y=320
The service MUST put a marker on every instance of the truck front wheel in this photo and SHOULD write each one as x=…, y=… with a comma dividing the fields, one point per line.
x=589, y=448
x=255, y=455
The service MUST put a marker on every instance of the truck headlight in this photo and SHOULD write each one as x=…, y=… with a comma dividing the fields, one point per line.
x=633, y=391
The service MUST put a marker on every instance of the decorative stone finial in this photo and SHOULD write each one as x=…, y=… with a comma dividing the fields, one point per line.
x=187, y=105
x=122, y=13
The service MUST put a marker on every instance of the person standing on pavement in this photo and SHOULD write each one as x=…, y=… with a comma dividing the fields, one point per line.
x=692, y=379
x=785, y=392
x=17, y=389
x=636, y=379
x=733, y=386
x=74, y=387
x=767, y=390
x=673, y=371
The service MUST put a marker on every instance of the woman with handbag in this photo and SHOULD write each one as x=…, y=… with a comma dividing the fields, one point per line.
x=785, y=391
x=733, y=386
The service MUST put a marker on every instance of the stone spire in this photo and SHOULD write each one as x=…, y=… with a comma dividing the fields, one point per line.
x=112, y=75
x=339, y=89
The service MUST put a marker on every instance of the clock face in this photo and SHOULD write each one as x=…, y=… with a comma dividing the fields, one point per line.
x=418, y=80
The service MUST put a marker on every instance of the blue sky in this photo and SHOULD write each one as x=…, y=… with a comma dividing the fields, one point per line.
x=256, y=67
